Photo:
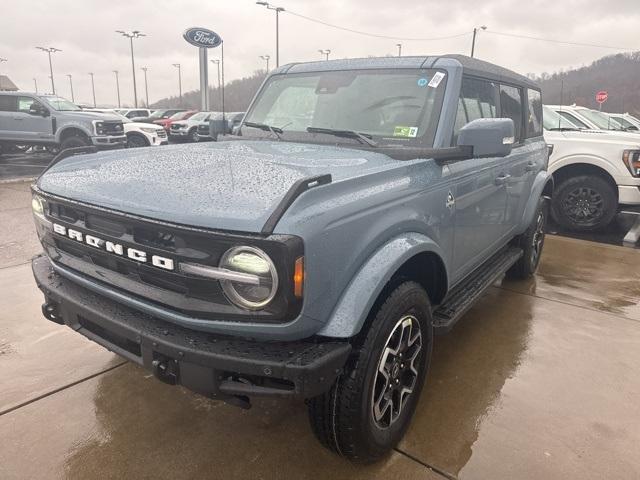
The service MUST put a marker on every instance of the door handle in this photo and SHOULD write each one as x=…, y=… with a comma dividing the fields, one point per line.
x=502, y=179
x=531, y=166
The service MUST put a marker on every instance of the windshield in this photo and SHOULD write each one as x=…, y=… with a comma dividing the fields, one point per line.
x=200, y=116
x=157, y=114
x=554, y=121
x=400, y=106
x=602, y=120
x=61, y=104
x=178, y=116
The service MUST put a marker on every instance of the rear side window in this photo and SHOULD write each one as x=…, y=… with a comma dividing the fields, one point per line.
x=478, y=99
x=7, y=103
x=511, y=107
x=573, y=119
x=534, y=122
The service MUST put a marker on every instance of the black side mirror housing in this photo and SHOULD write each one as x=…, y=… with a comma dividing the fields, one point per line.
x=36, y=109
x=488, y=137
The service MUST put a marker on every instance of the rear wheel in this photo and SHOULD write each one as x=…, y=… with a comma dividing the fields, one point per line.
x=369, y=407
x=74, y=141
x=584, y=203
x=531, y=242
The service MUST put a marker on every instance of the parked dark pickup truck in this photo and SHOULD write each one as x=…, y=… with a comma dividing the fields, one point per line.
x=363, y=207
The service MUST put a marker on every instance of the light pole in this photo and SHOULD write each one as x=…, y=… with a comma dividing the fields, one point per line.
x=35, y=82
x=93, y=89
x=49, y=51
x=217, y=64
x=131, y=36
x=70, y=85
x=117, y=87
x=473, y=42
x=266, y=59
x=325, y=53
x=177, y=65
x=399, y=45
x=277, y=10
x=146, y=87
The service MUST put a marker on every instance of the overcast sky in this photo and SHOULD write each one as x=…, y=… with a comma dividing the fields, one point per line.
x=84, y=31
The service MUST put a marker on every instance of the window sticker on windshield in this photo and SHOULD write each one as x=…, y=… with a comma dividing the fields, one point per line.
x=410, y=132
x=422, y=82
x=437, y=78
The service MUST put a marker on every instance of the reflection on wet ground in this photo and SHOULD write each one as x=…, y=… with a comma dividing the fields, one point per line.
x=585, y=274
x=539, y=380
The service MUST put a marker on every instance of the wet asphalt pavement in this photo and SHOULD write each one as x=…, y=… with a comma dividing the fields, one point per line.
x=539, y=380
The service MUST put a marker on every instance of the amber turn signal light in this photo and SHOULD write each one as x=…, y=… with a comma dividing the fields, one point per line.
x=298, y=277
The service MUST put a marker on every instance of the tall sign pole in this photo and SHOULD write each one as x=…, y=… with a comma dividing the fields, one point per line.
x=205, y=39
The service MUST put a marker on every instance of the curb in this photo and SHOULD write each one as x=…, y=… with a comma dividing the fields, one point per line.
x=17, y=180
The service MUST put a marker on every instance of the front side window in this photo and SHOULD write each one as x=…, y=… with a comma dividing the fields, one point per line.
x=478, y=99
x=575, y=120
x=387, y=105
x=27, y=104
x=511, y=107
x=534, y=121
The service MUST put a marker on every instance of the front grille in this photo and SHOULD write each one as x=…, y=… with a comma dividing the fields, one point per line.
x=162, y=133
x=175, y=126
x=195, y=296
x=113, y=127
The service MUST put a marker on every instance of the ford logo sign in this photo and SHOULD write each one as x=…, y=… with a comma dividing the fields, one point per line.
x=202, y=37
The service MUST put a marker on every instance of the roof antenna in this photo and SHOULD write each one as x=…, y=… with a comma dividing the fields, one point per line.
x=561, y=103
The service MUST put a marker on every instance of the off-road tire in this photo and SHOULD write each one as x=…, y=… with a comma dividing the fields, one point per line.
x=597, y=190
x=74, y=141
x=531, y=242
x=343, y=419
x=193, y=135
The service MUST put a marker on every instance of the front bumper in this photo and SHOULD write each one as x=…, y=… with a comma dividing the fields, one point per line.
x=628, y=195
x=109, y=141
x=215, y=366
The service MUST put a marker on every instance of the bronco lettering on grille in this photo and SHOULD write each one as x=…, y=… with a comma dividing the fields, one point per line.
x=115, y=248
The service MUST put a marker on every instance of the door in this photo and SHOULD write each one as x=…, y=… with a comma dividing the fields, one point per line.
x=479, y=195
x=517, y=167
x=32, y=120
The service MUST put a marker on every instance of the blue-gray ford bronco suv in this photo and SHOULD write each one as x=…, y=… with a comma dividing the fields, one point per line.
x=361, y=207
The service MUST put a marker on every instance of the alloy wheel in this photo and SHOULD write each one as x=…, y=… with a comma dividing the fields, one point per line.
x=583, y=205
x=397, y=371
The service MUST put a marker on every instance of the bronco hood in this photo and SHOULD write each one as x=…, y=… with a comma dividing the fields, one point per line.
x=230, y=185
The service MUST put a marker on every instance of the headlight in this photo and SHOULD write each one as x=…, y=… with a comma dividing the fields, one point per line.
x=251, y=261
x=99, y=126
x=37, y=205
x=149, y=130
x=631, y=159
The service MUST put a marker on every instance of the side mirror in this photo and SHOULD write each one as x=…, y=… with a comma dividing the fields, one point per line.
x=36, y=109
x=488, y=137
x=217, y=127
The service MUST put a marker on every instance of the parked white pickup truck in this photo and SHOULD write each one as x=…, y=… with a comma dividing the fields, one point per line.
x=596, y=172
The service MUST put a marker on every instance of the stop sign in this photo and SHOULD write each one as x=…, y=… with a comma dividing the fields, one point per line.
x=601, y=96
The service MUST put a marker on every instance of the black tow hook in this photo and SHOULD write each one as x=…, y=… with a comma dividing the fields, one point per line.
x=52, y=312
x=165, y=370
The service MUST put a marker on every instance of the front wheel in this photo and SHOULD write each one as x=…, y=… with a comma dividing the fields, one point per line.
x=369, y=407
x=584, y=203
x=193, y=134
x=136, y=141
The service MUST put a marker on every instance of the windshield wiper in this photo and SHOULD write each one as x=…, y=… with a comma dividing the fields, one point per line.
x=563, y=129
x=364, y=138
x=267, y=128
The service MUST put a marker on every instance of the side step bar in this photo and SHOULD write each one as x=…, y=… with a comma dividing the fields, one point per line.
x=464, y=295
